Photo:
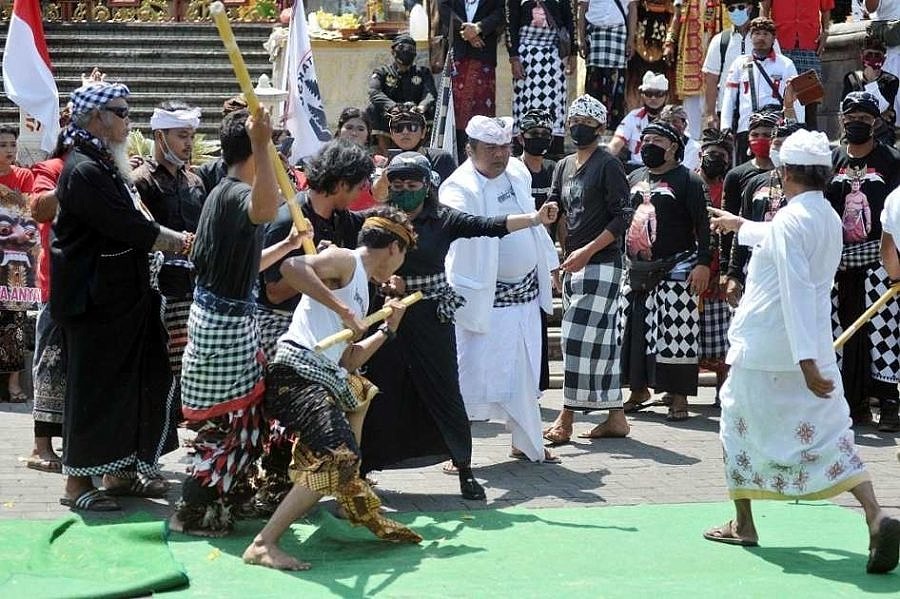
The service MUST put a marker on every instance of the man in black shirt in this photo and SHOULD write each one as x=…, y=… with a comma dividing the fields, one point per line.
x=592, y=190
x=668, y=247
x=222, y=376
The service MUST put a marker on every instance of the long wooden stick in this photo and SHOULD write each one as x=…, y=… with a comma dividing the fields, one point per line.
x=373, y=318
x=220, y=17
x=866, y=316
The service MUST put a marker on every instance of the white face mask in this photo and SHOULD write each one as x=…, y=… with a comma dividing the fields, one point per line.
x=775, y=157
x=739, y=17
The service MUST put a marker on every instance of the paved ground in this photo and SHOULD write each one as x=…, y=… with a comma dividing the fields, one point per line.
x=658, y=463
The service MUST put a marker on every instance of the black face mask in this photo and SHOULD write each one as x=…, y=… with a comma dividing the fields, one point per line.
x=653, y=156
x=536, y=146
x=583, y=135
x=405, y=57
x=857, y=132
x=713, y=166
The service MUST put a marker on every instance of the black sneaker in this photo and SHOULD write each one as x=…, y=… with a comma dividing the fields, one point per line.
x=889, y=422
x=470, y=489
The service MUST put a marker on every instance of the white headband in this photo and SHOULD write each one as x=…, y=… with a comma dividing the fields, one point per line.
x=490, y=130
x=806, y=148
x=175, y=119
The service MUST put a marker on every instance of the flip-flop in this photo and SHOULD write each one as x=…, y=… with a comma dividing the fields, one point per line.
x=153, y=488
x=449, y=468
x=632, y=407
x=42, y=465
x=92, y=500
x=520, y=455
x=725, y=534
x=886, y=552
x=589, y=435
x=556, y=438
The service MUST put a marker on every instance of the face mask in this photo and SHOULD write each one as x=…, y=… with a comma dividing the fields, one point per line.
x=583, y=135
x=775, y=157
x=739, y=17
x=857, y=132
x=405, y=57
x=536, y=146
x=653, y=156
x=169, y=155
x=760, y=147
x=713, y=166
x=874, y=64
x=407, y=200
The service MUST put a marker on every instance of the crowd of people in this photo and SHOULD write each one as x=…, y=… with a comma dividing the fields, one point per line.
x=190, y=285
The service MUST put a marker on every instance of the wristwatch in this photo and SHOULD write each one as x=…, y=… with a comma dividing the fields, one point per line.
x=386, y=330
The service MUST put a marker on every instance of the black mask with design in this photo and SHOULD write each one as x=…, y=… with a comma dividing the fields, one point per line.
x=857, y=132
x=713, y=166
x=653, y=156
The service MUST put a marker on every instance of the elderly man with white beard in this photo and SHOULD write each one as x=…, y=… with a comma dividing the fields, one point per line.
x=117, y=415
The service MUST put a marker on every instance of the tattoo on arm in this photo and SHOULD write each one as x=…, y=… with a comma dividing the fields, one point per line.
x=168, y=240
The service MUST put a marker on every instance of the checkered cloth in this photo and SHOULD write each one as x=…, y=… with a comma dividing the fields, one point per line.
x=884, y=334
x=95, y=95
x=589, y=344
x=672, y=325
x=606, y=47
x=272, y=325
x=714, y=321
x=522, y=292
x=436, y=287
x=316, y=368
x=544, y=85
x=858, y=255
x=222, y=366
x=805, y=60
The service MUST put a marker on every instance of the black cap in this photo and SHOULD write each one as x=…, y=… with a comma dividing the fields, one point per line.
x=860, y=102
x=403, y=38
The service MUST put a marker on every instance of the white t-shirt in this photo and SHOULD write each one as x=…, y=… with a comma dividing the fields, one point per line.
x=471, y=9
x=888, y=10
x=605, y=13
x=739, y=88
x=692, y=150
x=312, y=321
x=890, y=215
x=737, y=46
x=517, y=253
x=629, y=131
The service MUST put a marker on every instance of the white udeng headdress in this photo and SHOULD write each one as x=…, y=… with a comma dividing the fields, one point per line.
x=175, y=119
x=490, y=130
x=806, y=148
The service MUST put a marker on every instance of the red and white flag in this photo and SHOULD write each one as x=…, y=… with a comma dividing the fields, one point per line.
x=27, y=75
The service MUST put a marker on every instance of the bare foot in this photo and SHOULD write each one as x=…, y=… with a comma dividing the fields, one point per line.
x=176, y=525
x=608, y=429
x=259, y=553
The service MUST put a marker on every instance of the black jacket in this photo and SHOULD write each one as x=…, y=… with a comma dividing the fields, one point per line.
x=490, y=15
x=518, y=14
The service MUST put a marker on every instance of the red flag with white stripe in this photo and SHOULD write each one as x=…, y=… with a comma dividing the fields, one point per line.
x=27, y=72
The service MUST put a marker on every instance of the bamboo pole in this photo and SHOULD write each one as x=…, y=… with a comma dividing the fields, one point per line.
x=373, y=318
x=867, y=316
x=220, y=17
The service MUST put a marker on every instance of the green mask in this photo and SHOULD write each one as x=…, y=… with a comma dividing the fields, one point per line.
x=406, y=200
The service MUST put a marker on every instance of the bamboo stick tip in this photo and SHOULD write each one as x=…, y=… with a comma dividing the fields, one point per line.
x=216, y=8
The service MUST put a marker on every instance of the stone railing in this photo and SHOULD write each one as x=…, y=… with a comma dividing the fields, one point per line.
x=151, y=11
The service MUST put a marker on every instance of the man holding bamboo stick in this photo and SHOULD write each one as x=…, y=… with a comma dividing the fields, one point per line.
x=318, y=397
x=222, y=369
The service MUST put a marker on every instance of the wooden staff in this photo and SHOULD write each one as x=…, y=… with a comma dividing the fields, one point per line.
x=375, y=317
x=867, y=316
x=217, y=11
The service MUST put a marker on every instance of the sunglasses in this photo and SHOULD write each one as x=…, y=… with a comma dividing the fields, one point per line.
x=873, y=54
x=654, y=94
x=119, y=111
x=401, y=127
x=736, y=7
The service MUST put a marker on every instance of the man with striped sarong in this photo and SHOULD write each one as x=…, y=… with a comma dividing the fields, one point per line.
x=591, y=187
x=174, y=196
x=222, y=369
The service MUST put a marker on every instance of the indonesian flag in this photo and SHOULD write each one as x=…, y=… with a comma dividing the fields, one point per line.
x=27, y=76
x=305, y=114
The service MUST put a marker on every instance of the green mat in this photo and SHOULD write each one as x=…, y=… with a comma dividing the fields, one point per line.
x=809, y=550
x=70, y=558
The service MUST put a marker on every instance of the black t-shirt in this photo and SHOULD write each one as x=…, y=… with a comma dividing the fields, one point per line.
x=228, y=245
x=540, y=182
x=211, y=173
x=673, y=219
x=732, y=188
x=442, y=162
x=858, y=188
x=762, y=198
x=594, y=198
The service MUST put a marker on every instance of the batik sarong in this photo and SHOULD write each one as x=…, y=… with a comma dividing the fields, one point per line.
x=590, y=342
x=474, y=90
x=49, y=371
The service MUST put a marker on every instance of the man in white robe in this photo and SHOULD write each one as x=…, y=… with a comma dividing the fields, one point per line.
x=785, y=427
x=504, y=282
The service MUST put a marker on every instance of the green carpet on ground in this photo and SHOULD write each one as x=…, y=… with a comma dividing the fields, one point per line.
x=71, y=558
x=808, y=550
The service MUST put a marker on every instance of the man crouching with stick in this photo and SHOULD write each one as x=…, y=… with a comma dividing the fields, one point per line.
x=316, y=397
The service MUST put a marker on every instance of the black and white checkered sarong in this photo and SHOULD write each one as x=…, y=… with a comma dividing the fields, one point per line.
x=589, y=338
x=606, y=48
x=714, y=321
x=862, y=254
x=672, y=324
x=436, y=287
x=521, y=292
x=544, y=85
x=272, y=325
x=316, y=368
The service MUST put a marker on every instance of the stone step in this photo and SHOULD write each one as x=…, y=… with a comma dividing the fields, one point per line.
x=163, y=86
x=94, y=55
x=65, y=41
x=150, y=30
x=68, y=69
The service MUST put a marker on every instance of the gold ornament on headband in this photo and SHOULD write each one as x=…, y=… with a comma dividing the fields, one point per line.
x=379, y=222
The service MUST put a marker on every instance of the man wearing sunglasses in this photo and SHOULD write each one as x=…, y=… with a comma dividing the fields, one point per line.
x=407, y=129
x=654, y=90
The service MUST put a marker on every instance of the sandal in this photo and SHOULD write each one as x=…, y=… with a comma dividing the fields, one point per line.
x=449, y=468
x=92, y=500
x=725, y=534
x=38, y=463
x=153, y=488
x=556, y=437
x=885, y=552
x=636, y=405
x=548, y=458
